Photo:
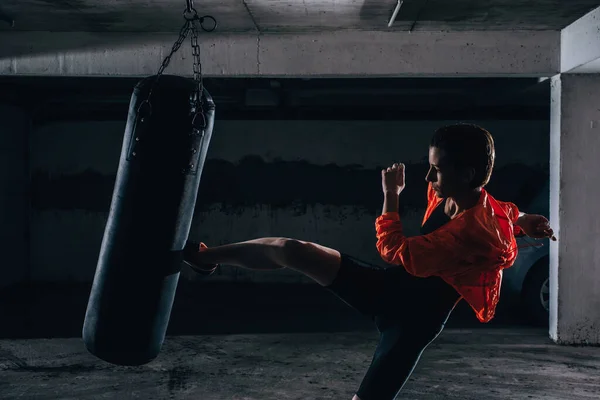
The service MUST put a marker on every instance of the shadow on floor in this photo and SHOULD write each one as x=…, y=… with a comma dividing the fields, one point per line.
x=53, y=311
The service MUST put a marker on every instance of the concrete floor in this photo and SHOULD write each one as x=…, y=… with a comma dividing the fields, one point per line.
x=478, y=364
x=267, y=342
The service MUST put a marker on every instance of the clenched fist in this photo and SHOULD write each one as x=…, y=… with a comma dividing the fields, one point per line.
x=392, y=179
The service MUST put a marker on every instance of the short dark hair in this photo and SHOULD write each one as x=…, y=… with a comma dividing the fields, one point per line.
x=468, y=146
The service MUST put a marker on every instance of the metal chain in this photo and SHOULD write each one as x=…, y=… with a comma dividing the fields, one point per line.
x=183, y=32
x=191, y=19
x=197, y=66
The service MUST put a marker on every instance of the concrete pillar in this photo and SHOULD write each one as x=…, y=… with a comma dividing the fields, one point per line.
x=14, y=199
x=574, y=199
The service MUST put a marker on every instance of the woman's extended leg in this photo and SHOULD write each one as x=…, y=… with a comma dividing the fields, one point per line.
x=318, y=262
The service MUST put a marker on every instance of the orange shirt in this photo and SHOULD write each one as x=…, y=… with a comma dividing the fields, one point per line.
x=469, y=252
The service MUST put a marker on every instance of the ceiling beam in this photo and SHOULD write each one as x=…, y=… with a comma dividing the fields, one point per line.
x=324, y=54
x=580, y=45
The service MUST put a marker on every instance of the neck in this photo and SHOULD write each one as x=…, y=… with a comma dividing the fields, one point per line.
x=464, y=201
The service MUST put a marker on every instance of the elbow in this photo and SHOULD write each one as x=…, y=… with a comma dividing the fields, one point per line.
x=388, y=258
x=394, y=258
x=391, y=248
x=388, y=252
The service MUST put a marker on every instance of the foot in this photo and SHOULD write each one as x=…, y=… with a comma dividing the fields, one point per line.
x=190, y=252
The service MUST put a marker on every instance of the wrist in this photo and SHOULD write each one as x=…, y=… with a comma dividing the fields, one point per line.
x=520, y=219
x=390, y=202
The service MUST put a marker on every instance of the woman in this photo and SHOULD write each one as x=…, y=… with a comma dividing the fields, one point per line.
x=467, y=239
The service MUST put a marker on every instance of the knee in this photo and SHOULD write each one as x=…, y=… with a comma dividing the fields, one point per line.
x=298, y=252
x=292, y=248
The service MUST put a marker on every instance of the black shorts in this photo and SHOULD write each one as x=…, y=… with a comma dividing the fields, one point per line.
x=389, y=294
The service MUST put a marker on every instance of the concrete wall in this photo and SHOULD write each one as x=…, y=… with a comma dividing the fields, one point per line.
x=14, y=205
x=312, y=180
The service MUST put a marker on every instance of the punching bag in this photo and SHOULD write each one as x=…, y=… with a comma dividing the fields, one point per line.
x=164, y=148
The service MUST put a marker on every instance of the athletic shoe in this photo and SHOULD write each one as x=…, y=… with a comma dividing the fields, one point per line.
x=189, y=251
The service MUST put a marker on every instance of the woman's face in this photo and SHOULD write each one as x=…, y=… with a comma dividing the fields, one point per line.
x=446, y=180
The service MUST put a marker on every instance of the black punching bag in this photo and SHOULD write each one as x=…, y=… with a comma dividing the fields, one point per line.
x=162, y=157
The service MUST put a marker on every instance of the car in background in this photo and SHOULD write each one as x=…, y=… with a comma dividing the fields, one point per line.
x=527, y=280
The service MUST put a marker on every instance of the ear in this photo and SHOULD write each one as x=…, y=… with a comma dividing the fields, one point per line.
x=468, y=175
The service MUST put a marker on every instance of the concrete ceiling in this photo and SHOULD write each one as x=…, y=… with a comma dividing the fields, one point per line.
x=292, y=15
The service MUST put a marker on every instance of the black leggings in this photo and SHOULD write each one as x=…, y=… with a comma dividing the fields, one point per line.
x=409, y=313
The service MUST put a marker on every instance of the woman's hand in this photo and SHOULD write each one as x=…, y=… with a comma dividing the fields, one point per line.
x=392, y=179
x=536, y=226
